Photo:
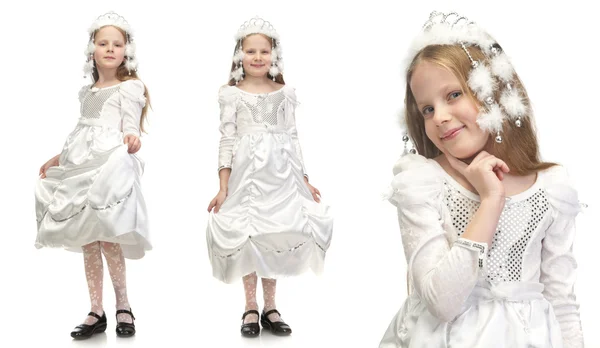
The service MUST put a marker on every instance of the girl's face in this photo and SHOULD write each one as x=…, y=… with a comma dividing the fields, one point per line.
x=449, y=114
x=110, y=48
x=257, y=55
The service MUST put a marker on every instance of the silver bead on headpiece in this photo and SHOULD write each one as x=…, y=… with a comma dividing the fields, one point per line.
x=498, y=138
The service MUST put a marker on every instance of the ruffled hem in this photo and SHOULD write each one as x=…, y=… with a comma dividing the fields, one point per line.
x=133, y=244
x=99, y=199
x=252, y=256
x=115, y=224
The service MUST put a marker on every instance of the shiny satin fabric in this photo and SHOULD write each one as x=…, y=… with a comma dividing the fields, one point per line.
x=94, y=194
x=504, y=315
x=269, y=222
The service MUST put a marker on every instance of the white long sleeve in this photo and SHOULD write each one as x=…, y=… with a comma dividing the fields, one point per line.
x=442, y=272
x=558, y=266
x=132, y=103
x=290, y=95
x=228, y=126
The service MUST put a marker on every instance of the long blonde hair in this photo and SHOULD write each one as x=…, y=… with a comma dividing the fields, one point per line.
x=278, y=78
x=519, y=147
x=123, y=75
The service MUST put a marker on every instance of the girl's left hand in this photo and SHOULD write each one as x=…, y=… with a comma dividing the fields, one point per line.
x=314, y=191
x=133, y=143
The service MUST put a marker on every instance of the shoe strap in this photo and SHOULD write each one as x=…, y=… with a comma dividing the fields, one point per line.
x=125, y=311
x=252, y=311
x=271, y=312
x=92, y=314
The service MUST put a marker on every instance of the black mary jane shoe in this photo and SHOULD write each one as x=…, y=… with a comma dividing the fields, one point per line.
x=250, y=329
x=279, y=328
x=125, y=329
x=85, y=331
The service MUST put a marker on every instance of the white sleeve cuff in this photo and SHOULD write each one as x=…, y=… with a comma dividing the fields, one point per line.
x=481, y=248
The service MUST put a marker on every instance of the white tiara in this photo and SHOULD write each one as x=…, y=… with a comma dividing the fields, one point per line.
x=256, y=25
x=110, y=18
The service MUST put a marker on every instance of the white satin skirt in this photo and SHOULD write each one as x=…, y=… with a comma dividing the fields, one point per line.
x=269, y=223
x=93, y=195
x=506, y=315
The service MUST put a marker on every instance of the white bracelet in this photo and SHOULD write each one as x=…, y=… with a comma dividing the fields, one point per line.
x=481, y=247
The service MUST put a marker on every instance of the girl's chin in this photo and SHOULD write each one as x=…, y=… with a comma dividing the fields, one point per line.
x=257, y=73
x=111, y=66
x=465, y=156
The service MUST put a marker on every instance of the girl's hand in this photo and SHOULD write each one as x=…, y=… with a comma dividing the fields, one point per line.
x=53, y=162
x=485, y=173
x=313, y=191
x=133, y=143
x=217, y=201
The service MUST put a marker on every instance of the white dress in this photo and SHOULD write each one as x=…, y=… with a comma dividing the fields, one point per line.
x=517, y=295
x=94, y=194
x=269, y=222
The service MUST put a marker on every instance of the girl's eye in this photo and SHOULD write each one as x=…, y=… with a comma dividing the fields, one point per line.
x=427, y=110
x=454, y=95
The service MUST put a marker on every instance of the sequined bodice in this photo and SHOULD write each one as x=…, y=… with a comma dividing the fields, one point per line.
x=517, y=223
x=263, y=108
x=94, y=101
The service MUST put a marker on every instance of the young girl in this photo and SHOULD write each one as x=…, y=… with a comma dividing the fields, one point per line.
x=88, y=198
x=267, y=221
x=487, y=227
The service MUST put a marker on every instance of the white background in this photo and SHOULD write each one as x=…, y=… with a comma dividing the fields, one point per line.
x=345, y=61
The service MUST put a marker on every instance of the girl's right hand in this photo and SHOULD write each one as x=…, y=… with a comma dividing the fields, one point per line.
x=217, y=201
x=485, y=173
x=53, y=162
